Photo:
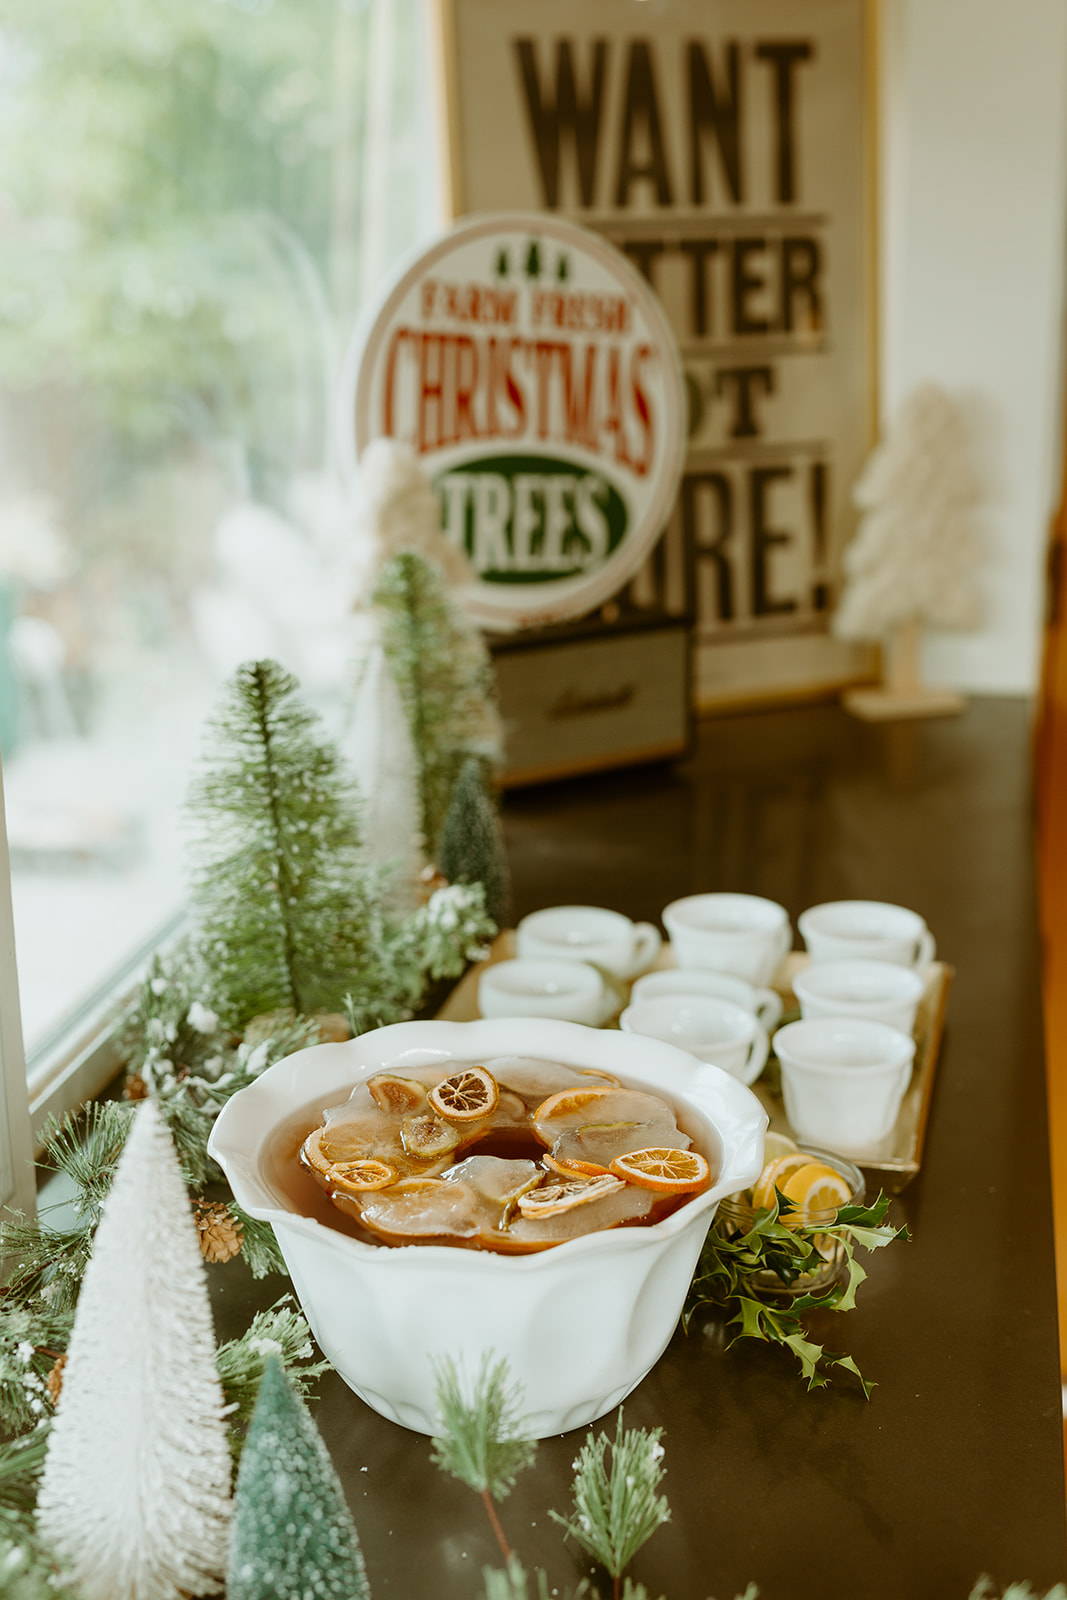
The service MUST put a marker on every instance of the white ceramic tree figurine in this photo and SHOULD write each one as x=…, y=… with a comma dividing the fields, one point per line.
x=379, y=750
x=915, y=557
x=135, y=1495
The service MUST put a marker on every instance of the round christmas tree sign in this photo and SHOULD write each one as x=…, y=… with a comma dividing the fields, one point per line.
x=534, y=373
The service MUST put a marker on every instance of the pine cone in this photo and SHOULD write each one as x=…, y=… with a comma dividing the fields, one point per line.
x=332, y=1027
x=54, y=1380
x=430, y=879
x=268, y=1024
x=220, y=1232
x=135, y=1088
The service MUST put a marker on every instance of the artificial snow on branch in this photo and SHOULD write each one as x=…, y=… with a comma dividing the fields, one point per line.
x=135, y=1495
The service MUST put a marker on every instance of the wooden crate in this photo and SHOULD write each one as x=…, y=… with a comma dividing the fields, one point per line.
x=594, y=700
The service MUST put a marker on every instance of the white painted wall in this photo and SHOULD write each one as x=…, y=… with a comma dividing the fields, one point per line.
x=974, y=207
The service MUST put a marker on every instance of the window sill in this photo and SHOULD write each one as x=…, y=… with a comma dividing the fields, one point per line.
x=78, y=1060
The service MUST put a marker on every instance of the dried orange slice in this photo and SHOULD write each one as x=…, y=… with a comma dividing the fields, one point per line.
x=359, y=1177
x=465, y=1095
x=312, y=1154
x=774, y=1175
x=666, y=1171
x=556, y=1197
x=816, y=1190
x=392, y=1093
x=566, y=1103
x=574, y=1169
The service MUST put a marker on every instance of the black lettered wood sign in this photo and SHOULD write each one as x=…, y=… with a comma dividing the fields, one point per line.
x=725, y=146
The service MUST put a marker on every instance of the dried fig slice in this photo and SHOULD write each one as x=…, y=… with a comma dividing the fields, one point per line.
x=427, y=1137
x=398, y=1095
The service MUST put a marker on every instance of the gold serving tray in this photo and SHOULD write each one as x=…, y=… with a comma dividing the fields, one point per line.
x=899, y=1157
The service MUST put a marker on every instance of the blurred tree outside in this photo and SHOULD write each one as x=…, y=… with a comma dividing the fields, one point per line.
x=195, y=201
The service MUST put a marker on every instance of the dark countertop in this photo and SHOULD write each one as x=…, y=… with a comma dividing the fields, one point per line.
x=955, y=1466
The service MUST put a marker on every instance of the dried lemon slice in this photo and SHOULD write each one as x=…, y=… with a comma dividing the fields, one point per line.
x=665, y=1170
x=556, y=1197
x=574, y=1169
x=360, y=1177
x=465, y=1095
x=393, y=1093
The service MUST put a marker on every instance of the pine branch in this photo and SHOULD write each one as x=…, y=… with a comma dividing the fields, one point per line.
x=32, y=1338
x=514, y=1583
x=481, y=1442
x=984, y=1589
x=617, y=1506
x=281, y=1333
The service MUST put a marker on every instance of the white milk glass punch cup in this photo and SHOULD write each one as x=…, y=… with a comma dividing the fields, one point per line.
x=877, y=990
x=692, y=981
x=713, y=1030
x=742, y=934
x=590, y=933
x=868, y=930
x=843, y=1079
x=572, y=991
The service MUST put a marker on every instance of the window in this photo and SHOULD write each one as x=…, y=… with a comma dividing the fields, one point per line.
x=194, y=201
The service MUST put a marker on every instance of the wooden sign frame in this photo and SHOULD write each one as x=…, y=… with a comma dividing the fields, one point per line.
x=759, y=574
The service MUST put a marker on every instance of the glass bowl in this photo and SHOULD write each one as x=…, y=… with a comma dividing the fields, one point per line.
x=736, y=1215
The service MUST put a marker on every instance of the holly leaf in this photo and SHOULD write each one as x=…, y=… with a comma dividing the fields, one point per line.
x=866, y=1384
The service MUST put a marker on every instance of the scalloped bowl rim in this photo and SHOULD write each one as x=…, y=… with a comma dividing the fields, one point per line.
x=727, y=1106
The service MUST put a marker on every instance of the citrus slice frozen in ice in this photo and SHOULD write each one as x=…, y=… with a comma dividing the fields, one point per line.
x=496, y=1178
x=570, y=1107
x=465, y=1095
x=574, y=1169
x=816, y=1190
x=360, y=1177
x=423, y=1208
x=667, y=1171
x=534, y=1080
x=774, y=1175
x=393, y=1093
x=312, y=1154
x=553, y=1198
x=426, y=1137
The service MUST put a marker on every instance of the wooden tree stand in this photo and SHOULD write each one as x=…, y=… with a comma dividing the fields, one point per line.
x=902, y=692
